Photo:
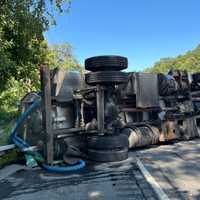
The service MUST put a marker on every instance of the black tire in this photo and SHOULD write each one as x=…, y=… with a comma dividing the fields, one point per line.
x=196, y=77
x=106, y=78
x=107, y=142
x=106, y=63
x=108, y=155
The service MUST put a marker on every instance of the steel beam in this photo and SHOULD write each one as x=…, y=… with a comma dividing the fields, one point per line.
x=46, y=112
x=100, y=108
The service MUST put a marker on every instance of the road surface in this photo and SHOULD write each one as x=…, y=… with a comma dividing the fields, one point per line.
x=175, y=168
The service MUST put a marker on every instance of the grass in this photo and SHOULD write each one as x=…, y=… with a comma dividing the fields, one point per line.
x=9, y=110
x=11, y=156
x=7, y=121
x=5, y=133
x=8, y=115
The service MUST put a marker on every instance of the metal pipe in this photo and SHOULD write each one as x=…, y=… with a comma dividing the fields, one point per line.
x=7, y=147
x=100, y=108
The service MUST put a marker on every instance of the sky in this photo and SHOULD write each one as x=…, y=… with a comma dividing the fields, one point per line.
x=142, y=30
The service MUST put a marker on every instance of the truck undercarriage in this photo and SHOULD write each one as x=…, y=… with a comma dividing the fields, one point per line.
x=101, y=114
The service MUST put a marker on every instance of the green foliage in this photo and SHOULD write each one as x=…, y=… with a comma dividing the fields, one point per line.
x=22, y=45
x=11, y=156
x=189, y=61
x=23, y=49
x=5, y=130
x=10, y=98
x=61, y=56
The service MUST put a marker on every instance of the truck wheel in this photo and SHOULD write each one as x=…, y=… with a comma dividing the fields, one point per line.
x=106, y=78
x=108, y=155
x=106, y=63
x=107, y=142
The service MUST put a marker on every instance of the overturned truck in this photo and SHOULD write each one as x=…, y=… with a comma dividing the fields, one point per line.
x=100, y=114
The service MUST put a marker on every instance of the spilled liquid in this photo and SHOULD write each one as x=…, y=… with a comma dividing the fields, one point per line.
x=120, y=180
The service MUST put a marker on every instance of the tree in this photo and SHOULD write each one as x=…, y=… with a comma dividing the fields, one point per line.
x=61, y=56
x=22, y=44
x=23, y=47
x=190, y=61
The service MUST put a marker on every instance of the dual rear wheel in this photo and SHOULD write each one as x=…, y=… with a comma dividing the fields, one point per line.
x=105, y=70
x=107, y=148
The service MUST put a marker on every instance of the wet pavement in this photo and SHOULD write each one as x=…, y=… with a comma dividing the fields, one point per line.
x=175, y=167
x=106, y=181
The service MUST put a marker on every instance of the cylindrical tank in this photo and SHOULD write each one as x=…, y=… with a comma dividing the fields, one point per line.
x=63, y=116
x=141, y=136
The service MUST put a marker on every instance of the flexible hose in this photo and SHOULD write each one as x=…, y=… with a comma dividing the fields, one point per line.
x=78, y=166
x=22, y=144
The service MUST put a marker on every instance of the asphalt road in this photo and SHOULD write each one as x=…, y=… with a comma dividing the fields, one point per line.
x=117, y=181
x=175, y=167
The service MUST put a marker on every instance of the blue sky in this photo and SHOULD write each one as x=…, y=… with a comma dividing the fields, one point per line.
x=142, y=30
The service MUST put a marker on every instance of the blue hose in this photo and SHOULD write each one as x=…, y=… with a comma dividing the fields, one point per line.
x=22, y=144
x=17, y=140
x=78, y=166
